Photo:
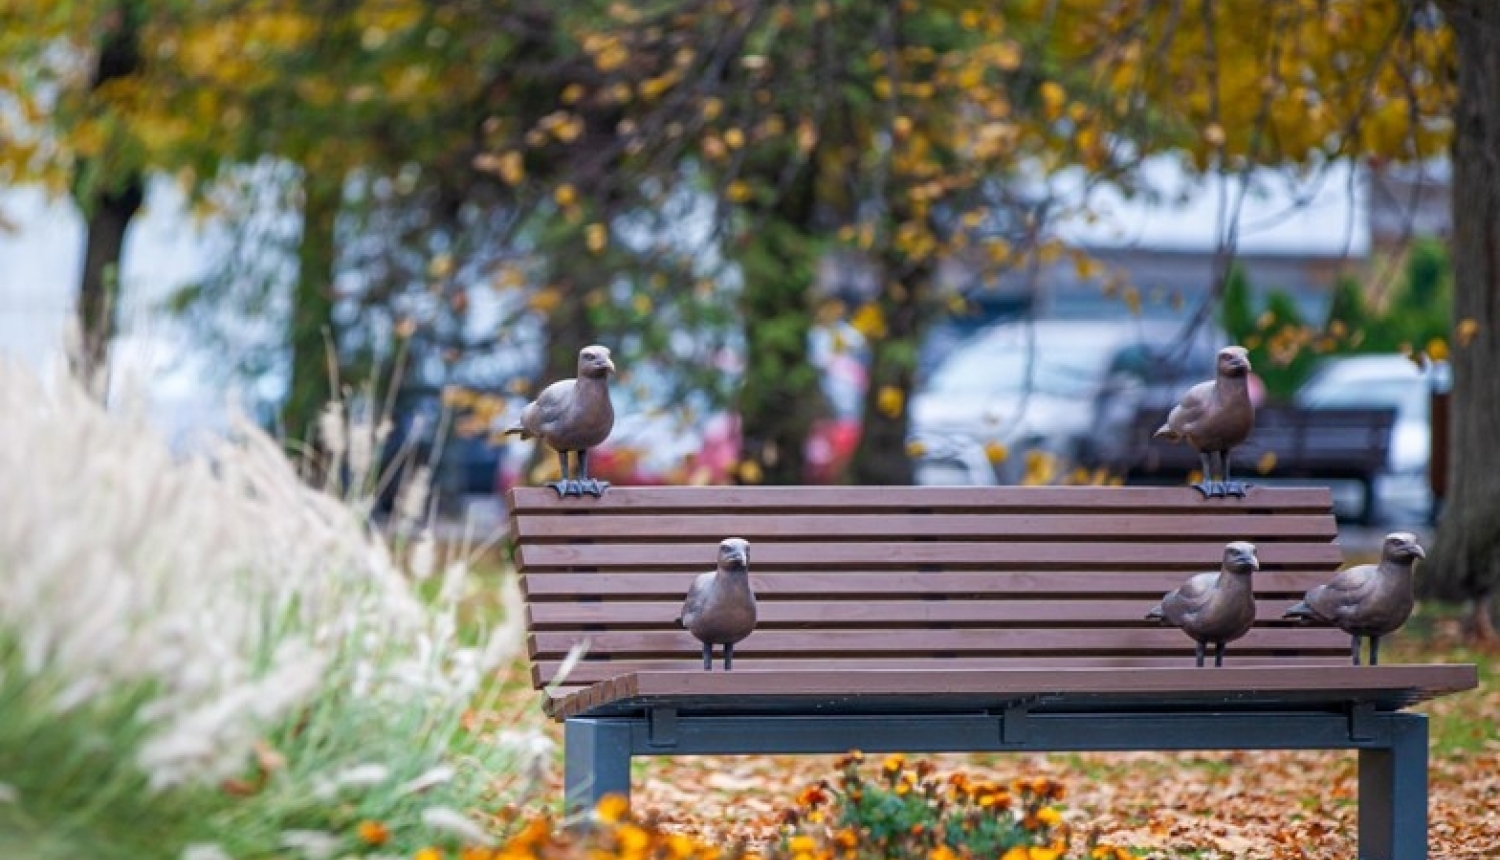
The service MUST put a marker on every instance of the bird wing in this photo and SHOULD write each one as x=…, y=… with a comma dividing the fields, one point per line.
x=1347, y=588
x=697, y=596
x=1190, y=598
x=1195, y=403
x=548, y=407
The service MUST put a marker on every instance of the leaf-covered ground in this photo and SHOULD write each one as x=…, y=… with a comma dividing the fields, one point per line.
x=1259, y=804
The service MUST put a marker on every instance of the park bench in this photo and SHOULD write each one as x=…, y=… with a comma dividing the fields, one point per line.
x=1321, y=443
x=930, y=619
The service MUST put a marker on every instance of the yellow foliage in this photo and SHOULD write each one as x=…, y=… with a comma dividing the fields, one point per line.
x=890, y=401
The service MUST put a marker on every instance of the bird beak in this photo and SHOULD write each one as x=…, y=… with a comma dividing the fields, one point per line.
x=1416, y=550
x=608, y=365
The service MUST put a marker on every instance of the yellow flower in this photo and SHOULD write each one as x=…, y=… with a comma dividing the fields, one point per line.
x=565, y=195
x=428, y=854
x=632, y=839
x=1048, y=815
x=996, y=452
x=893, y=763
x=942, y=852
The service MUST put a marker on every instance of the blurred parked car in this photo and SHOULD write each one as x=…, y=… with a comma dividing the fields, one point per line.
x=1023, y=399
x=1403, y=492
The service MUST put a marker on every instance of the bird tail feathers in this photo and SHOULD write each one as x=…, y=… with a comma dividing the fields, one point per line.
x=1299, y=610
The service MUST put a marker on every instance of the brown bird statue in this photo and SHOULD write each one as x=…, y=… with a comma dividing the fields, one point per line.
x=720, y=607
x=573, y=415
x=1214, y=417
x=1371, y=600
x=1217, y=606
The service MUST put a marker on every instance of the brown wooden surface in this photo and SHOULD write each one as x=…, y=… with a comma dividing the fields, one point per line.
x=1041, y=690
x=892, y=583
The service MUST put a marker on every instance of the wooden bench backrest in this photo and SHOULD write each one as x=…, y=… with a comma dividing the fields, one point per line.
x=901, y=577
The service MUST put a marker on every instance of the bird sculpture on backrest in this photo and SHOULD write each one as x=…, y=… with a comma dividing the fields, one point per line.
x=1371, y=600
x=1214, y=417
x=720, y=606
x=573, y=415
x=1216, y=606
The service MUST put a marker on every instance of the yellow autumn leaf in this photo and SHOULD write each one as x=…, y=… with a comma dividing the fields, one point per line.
x=749, y=472
x=890, y=401
x=1266, y=463
x=596, y=236
x=1466, y=331
x=1053, y=96
x=1437, y=349
x=996, y=452
x=738, y=191
x=869, y=321
x=915, y=448
x=565, y=195
x=512, y=168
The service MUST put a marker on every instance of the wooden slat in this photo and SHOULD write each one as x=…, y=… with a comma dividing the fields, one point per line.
x=1181, y=500
x=592, y=671
x=709, y=528
x=550, y=586
x=875, y=614
x=917, y=554
x=930, y=641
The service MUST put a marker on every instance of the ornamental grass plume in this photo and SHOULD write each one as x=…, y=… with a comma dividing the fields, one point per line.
x=204, y=656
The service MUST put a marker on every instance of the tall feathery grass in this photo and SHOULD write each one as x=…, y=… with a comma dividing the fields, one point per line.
x=205, y=658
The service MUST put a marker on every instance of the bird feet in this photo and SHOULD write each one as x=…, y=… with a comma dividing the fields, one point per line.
x=1220, y=489
x=580, y=488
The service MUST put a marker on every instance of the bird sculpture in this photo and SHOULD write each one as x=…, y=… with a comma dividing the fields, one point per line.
x=1370, y=600
x=720, y=607
x=1214, y=417
x=573, y=415
x=1217, y=606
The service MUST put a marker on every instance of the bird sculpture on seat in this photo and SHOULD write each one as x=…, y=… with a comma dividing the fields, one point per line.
x=573, y=415
x=720, y=606
x=1217, y=606
x=1214, y=417
x=1370, y=600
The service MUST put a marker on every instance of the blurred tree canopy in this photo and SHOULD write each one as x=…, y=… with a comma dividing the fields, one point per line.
x=675, y=177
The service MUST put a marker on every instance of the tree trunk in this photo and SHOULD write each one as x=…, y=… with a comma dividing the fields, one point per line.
x=109, y=200
x=311, y=333
x=108, y=214
x=779, y=396
x=1465, y=563
x=881, y=456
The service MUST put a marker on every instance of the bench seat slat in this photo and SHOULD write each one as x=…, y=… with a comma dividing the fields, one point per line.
x=1039, y=689
x=755, y=501
x=592, y=671
x=1142, y=585
x=876, y=614
x=931, y=641
x=710, y=527
x=877, y=554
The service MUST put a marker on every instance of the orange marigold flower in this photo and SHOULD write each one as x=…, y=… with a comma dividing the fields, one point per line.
x=893, y=763
x=476, y=853
x=612, y=808
x=1048, y=815
x=373, y=832
x=846, y=837
x=942, y=852
x=428, y=854
x=632, y=839
x=802, y=844
x=813, y=796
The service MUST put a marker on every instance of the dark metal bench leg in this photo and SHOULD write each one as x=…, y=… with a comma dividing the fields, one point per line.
x=596, y=761
x=1393, y=794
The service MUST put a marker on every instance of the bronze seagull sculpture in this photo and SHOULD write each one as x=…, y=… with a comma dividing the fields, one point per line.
x=720, y=607
x=1214, y=417
x=1371, y=600
x=573, y=415
x=1217, y=606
